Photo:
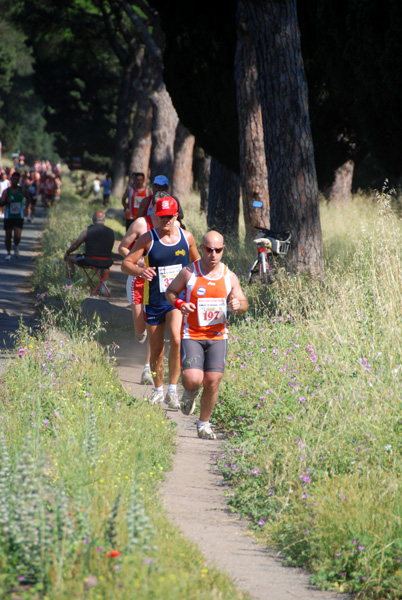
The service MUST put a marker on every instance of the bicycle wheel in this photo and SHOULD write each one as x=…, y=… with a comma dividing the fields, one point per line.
x=252, y=271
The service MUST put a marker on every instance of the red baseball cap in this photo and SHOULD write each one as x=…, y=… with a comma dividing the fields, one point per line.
x=166, y=206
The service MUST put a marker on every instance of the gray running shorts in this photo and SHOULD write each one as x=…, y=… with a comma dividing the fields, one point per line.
x=205, y=355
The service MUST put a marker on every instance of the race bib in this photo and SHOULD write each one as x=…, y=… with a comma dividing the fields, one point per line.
x=15, y=208
x=166, y=276
x=211, y=311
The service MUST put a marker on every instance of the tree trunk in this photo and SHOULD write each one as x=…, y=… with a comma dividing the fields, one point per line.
x=341, y=190
x=164, y=125
x=282, y=83
x=203, y=176
x=253, y=166
x=182, y=182
x=125, y=110
x=142, y=136
x=223, y=204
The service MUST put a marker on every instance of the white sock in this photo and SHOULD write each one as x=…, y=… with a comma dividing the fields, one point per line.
x=202, y=423
x=158, y=389
x=147, y=366
x=172, y=388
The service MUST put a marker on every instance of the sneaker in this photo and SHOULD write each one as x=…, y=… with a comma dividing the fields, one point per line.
x=187, y=402
x=172, y=400
x=156, y=397
x=146, y=376
x=16, y=252
x=205, y=432
x=141, y=337
x=29, y=219
x=8, y=256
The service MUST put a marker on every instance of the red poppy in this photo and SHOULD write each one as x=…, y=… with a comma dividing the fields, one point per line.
x=113, y=553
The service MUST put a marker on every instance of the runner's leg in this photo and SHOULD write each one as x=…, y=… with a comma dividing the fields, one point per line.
x=210, y=393
x=156, y=334
x=173, y=322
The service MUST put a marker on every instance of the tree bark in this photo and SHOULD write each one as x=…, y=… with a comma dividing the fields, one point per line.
x=203, y=170
x=282, y=83
x=164, y=125
x=223, y=204
x=253, y=166
x=182, y=182
x=341, y=190
x=142, y=136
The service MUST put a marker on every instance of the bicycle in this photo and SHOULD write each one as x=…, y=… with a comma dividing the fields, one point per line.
x=269, y=244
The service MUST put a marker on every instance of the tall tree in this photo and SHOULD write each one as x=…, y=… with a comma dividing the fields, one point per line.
x=223, y=202
x=182, y=181
x=253, y=166
x=288, y=143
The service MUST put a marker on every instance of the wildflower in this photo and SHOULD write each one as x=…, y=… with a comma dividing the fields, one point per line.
x=361, y=548
x=113, y=553
x=90, y=582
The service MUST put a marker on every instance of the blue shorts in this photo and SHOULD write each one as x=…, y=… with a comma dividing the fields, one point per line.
x=155, y=315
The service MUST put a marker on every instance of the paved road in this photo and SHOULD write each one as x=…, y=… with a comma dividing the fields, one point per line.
x=16, y=297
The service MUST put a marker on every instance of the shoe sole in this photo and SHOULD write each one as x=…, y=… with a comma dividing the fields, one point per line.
x=206, y=436
x=187, y=408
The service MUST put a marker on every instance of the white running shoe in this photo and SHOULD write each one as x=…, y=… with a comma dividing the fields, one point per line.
x=16, y=252
x=141, y=337
x=156, y=397
x=8, y=256
x=172, y=400
x=205, y=432
x=146, y=376
x=187, y=402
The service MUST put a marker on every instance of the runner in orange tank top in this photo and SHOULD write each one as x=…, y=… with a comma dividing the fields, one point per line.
x=210, y=289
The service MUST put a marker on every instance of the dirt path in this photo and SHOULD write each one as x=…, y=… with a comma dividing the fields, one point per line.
x=194, y=498
x=192, y=493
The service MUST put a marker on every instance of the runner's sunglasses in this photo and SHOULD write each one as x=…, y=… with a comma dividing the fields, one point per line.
x=210, y=250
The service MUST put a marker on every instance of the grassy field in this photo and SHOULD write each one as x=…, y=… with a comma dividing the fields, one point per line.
x=80, y=460
x=310, y=403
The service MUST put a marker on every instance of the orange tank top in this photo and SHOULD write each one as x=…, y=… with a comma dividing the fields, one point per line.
x=208, y=321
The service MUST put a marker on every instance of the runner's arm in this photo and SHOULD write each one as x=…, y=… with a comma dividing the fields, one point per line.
x=129, y=264
x=193, y=251
x=237, y=300
x=125, y=196
x=176, y=287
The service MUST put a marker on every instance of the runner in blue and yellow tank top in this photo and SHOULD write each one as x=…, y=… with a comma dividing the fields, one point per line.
x=166, y=250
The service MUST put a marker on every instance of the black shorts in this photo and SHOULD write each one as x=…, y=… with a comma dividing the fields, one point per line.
x=11, y=223
x=128, y=223
x=204, y=355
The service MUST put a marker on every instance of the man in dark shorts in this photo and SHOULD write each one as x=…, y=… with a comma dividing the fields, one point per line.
x=17, y=203
x=99, y=241
x=210, y=289
x=165, y=250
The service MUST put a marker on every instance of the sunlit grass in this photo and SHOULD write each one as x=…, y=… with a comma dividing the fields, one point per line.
x=311, y=402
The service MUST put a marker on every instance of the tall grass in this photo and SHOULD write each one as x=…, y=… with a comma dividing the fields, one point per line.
x=80, y=461
x=312, y=404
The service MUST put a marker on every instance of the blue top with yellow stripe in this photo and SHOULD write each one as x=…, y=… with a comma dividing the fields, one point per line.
x=168, y=260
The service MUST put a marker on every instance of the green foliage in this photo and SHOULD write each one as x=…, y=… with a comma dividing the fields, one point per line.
x=311, y=403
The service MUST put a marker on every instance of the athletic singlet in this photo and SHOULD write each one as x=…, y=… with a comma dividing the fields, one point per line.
x=208, y=321
x=134, y=198
x=169, y=260
x=15, y=209
x=137, y=285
